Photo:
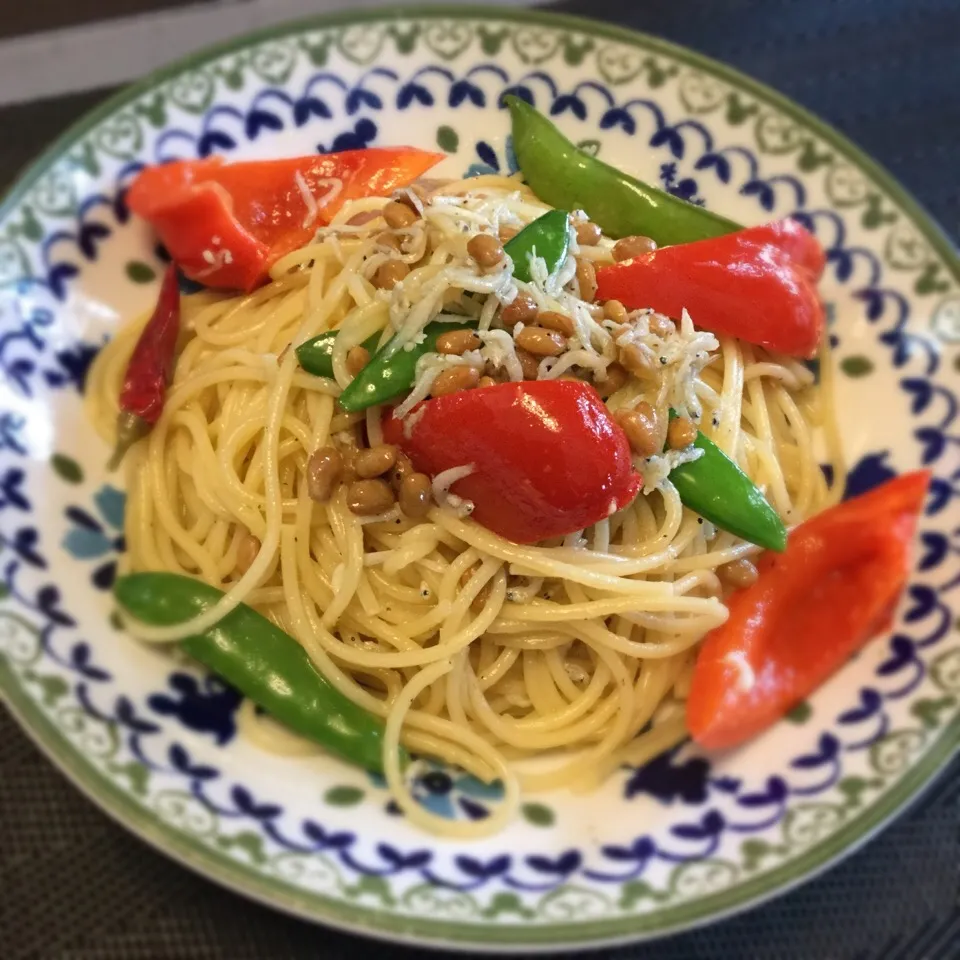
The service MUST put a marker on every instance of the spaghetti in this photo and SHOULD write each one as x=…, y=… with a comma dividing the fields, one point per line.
x=543, y=665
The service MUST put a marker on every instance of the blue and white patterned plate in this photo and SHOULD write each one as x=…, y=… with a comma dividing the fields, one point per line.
x=683, y=840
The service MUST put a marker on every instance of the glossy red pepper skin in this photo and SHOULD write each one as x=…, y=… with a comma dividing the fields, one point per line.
x=793, y=239
x=150, y=368
x=810, y=609
x=226, y=224
x=548, y=458
x=758, y=285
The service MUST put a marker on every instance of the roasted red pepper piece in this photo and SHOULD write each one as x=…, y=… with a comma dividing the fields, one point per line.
x=149, y=369
x=226, y=224
x=757, y=284
x=813, y=606
x=799, y=244
x=548, y=458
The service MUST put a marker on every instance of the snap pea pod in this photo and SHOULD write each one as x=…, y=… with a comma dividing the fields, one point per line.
x=392, y=371
x=622, y=206
x=261, y=661
x=716, y=488
x=316, y=355
x=547, y=237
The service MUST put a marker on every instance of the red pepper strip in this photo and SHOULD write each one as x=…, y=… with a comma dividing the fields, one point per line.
x=811, y=608
x=757, y=284
x=149, y=369
x=548, y=459
x=225, y=225
x=798, y=243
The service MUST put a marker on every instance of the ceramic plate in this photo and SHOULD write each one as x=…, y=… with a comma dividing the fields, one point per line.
x=681, y=841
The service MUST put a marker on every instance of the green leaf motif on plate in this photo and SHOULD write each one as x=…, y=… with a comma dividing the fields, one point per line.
x=231, y=73
x=405, y=39
x=66, y=468
x=491, y=40
x=738, y=111
x=250, y=843
x=154, y=110
x=448, y=139
x=343, y=796
x=856, y=366
x=853, y=789
x=808, y=159
x=575, y=50
x=800, y=714
x=928, y=281
x=139, y=272
x=538, y=814
x=376, y=888
x=29, y=227
x=85, y=157
x=874, y=216
x=928, y=711
x=507, y=903
x=634, y=892
x=52, y=687
x=754, y=850
x=317, y=48
x=135, y=773
x=657, y=75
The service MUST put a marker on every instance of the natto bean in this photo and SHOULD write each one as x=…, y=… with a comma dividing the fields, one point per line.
x=681, y=433
x=414, y=497
x=457, y=342
x=630, y=247
x=523, y=309
x=389, y=274
x=324, y=471
x=455, y=379
x=540, y=342
x=367, y=498
x=375, y=462
x=485, y=250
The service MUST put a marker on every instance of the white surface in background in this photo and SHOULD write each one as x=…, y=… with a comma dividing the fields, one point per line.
x=116, y=51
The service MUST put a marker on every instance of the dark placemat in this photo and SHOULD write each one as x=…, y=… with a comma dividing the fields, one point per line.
x=74, y=886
